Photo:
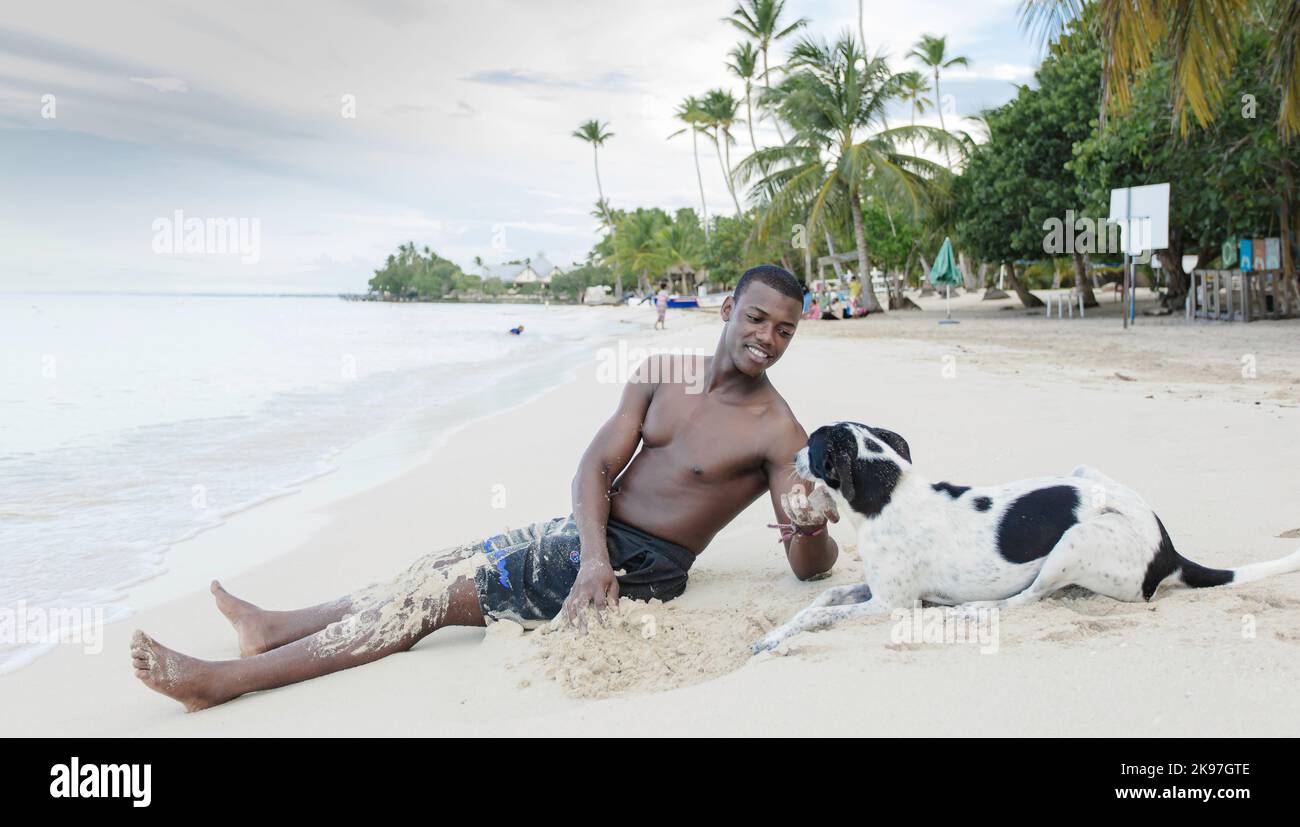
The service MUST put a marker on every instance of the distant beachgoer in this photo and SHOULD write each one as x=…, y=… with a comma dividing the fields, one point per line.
x=661, y=303
x=814, y=311
x=835, y=310
x=517, y=330
x=807, y=301
x=855, y=288
x=675, y=463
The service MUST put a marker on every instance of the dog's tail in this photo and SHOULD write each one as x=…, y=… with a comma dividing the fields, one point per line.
x=1198, y=577
x=1192, y=574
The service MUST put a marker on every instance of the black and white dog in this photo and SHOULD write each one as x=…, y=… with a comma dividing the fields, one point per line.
x=1000, y=546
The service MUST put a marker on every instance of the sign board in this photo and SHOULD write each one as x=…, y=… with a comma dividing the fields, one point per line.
x=1142, y=214
x=1273, y=254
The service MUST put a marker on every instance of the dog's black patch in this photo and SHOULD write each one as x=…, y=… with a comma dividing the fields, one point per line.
x=982, y=503
x=951, y=490
x=872, y=445
x=1168, y=560
x=1032, y=525
x=874, y=481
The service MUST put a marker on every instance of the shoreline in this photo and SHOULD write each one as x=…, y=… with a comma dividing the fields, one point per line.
x=368, y=462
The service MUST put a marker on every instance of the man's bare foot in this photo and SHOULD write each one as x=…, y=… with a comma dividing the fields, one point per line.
x=246, y=618
x=177, y=676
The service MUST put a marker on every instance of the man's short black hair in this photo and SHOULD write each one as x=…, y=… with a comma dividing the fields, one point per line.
x=778, y=278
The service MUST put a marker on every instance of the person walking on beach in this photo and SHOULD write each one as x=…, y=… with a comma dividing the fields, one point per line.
x=661, y=303
x=693, y=442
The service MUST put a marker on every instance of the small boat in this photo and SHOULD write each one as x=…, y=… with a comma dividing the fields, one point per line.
x=690, y=301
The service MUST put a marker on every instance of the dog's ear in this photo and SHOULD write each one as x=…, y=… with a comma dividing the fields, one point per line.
x=894, y=441
x=843, y=450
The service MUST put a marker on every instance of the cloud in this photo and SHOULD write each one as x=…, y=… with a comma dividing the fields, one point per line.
x=163, y=84
x=547, y=227
x=1013, y=72
x=406, y=220
x=408, y=109
x=605, y=81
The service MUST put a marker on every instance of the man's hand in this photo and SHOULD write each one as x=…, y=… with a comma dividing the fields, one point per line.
x=596, y=586
x=810, y=510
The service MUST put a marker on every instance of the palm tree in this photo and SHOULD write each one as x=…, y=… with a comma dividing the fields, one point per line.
x=760, y=20
x=933, y=52
x=1201, y=37
x=915, y=88
x=744, y=65
x=691, y=112
x=682, y=243
x=637, y=247
x=720, y=109
x=594, y=133
x=835, y=99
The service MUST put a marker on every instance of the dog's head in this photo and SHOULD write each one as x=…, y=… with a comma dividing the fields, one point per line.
x=860, y=463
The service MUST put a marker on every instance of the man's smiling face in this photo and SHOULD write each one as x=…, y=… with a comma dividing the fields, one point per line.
x=760, y=324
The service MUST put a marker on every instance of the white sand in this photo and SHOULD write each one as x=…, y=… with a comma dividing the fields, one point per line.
x=1215, y=454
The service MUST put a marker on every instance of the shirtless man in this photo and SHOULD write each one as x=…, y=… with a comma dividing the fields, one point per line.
x=707, y=450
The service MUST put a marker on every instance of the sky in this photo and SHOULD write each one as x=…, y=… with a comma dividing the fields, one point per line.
x=331, y=131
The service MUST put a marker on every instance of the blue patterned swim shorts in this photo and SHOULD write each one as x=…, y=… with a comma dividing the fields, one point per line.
x=533, y=569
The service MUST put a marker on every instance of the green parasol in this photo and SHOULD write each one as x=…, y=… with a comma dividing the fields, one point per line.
x=945, y=272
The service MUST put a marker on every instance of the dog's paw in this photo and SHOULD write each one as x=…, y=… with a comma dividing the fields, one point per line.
x=767, y=644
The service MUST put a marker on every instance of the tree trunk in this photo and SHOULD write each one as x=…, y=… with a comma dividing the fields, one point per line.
x=726, y=173
x=1171, y=261
x=1083, y=279
x=699, y=178
x=749, y=110
x=927, y=286
x=1026, y=298
x=776, y=121
x=938, y=104
x=967, y=277
x=983, y=276
x=600, y=191
x=864, y=271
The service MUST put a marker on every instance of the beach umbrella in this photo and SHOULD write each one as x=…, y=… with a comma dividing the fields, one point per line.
x=945, y=272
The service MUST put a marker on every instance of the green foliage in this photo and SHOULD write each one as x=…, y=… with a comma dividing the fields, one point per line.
x=727, y=258
x=410, y=273
x=1020, y=177
x=1225, y=179
x=571, y=285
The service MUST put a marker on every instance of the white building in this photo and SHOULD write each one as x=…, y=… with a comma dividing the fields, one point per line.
x=535, y=270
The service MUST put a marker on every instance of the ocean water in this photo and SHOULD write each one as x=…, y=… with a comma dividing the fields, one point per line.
x=129, y=423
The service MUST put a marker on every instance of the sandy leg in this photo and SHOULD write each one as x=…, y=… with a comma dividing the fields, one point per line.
x=389, y=627
x=261, y=630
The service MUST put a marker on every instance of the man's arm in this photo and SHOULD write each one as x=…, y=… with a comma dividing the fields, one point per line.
x=809, y=549
x=605, y=458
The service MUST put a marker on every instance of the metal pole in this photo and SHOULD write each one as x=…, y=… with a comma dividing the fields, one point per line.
x=1129, y=280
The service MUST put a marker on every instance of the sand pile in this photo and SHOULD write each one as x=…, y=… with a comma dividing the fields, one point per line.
x=649, y=647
